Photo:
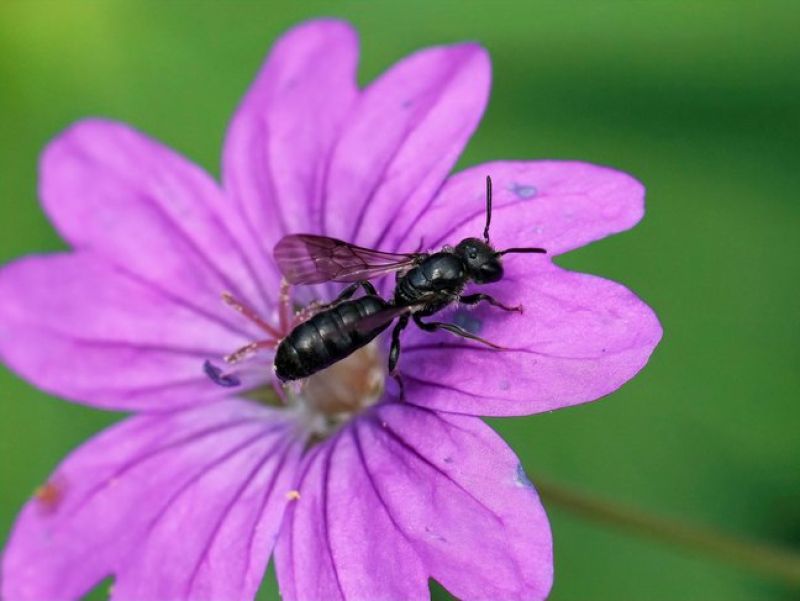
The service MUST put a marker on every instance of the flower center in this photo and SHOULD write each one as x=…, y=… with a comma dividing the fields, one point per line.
x=334, y=395
x=325, y=400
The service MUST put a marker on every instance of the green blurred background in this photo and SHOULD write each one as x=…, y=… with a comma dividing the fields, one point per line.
x=699, y=101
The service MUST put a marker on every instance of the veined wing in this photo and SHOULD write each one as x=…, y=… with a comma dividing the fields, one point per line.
x=310, y=259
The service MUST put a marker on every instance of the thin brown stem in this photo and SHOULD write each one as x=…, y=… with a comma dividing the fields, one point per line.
x=766, y=559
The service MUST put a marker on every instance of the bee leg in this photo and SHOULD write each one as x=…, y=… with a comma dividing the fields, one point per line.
x=350, y=291
x=398, y=378
x=368, y=287
x=394, y=352
x=474, y=299
x=432, y=326
x=394, y=355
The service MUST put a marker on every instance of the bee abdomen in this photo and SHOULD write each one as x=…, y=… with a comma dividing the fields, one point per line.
x=327, y=337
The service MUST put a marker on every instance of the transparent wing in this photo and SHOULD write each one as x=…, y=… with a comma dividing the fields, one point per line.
x=310, y=259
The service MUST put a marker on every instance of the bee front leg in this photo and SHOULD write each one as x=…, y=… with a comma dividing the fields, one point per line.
x=474, y=299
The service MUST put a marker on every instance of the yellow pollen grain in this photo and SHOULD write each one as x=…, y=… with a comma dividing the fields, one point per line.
x=293, y=495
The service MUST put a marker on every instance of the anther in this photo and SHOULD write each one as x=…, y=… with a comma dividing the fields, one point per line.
x=250, y=314
x=285, y=312
x=219, y=377
x=249, y=349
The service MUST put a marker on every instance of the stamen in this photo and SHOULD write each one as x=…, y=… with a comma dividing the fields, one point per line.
x=250, y=314
x=307, y=312
x=230, y=379
x=285, y=315
x=250, y=349
x=219, y=377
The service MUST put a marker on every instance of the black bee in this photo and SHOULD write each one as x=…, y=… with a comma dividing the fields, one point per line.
x=426, y=284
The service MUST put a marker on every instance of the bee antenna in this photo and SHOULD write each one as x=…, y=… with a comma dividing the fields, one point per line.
x=521, y=250
x=488, y=208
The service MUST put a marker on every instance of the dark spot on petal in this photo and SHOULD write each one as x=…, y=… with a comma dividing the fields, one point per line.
x=49, y=495
x=524, y=191
x=448, y=460
x=468, y=321
x=438, y=537
x=407, y=103
x=504, y=384
x=522, y=477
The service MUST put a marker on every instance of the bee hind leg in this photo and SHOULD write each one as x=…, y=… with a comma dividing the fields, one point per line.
x=432, y=326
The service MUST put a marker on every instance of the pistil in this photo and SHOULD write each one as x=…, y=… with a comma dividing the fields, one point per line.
x=327, y=399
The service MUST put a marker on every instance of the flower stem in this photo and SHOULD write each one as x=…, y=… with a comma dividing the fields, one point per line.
x=768, y=560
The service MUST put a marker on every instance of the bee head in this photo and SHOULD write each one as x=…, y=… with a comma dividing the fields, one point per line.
x=483, y=263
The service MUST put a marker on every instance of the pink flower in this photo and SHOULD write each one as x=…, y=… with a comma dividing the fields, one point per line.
x=188, y=498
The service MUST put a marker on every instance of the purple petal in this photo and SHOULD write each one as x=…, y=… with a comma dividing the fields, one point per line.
x=580, y=337
x=558, y=205
x=404, y=494
x=114, y=191
x=400, y=141
x=279, y=141
x=78, y=327
x=195, y=498
x=338, y=541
